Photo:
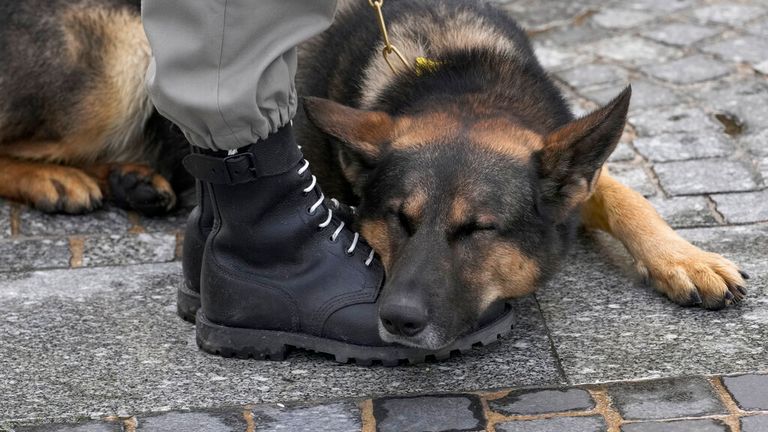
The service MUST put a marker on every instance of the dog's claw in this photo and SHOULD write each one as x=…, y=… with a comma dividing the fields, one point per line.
x=744, y=274
x=728, y=295
x=695, y=298
x=742, y=290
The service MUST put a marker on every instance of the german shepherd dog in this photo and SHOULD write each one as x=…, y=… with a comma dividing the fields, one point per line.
x=472, y=173
x=469, y=169
x=76, y=124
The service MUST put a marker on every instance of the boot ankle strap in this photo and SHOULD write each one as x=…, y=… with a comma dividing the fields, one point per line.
x=275, y=155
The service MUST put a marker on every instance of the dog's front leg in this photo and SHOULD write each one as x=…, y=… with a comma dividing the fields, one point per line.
x=686, y=274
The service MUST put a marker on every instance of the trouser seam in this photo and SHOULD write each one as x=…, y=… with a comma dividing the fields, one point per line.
x=218, y=77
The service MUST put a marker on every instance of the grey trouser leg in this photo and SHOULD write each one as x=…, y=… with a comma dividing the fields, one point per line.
x=223, y=70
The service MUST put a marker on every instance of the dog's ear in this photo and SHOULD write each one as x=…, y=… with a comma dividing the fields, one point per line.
x=575, y=153
x=363, y=133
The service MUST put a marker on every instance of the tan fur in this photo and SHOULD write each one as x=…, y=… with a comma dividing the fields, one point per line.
x=675, y=266
x=48, y=186
x=413, y=207
x=376, y=233
x=107, y=124
x=459, y=210
x=505, y=272
x=502, y=136
x=414, y=132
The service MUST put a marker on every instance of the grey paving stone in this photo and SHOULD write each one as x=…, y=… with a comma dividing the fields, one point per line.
x=542, y=14
x=558, y=58
x=28, y=254
x=634, y=176
x=681, y=34
x=429, y=414
x=754, y=424
x=644, y=95
x=231, y=421
x=129, y=249
x=83, y=427
x=745, y=101
x=337, y=417
x=659, y=5
x=623, y=153
x=705, y=425
x=660, y=399
x=672, y=119
x=621, y=18
x=527, y=402
x=762, y=165
x=594, y=74
x=668, y=147
x=749, y=391
x=704, y=176
x=106, y=221
x=743, y=207
x=564, y=36
x=5, y=219
x=605, y=326
x=689, y=70
x=751, y=49
x=729, y=13
x=560, y=424
x=758, y=27
x=686, y=211
x=630, y=49
x=102, y=341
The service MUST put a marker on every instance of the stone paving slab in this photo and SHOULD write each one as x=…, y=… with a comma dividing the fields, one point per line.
x=675, y=398
x=744, y=207
x=107, y=341
x=336, y=417
x=708, y=407
x=527, y=402
x=754, y=424
x=570, y=424
x=606, y=327
x=749, y=391
x=708, y=425
x=460, y=413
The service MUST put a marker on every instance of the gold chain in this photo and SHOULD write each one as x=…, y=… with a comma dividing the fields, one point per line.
x=388, y=47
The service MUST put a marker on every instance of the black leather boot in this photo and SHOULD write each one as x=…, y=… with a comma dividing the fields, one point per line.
x=199, y=225
x=281, y=270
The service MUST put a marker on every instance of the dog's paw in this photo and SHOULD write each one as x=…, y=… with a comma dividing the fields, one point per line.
x=140, y=188
x=60, y=189
x=690, y=276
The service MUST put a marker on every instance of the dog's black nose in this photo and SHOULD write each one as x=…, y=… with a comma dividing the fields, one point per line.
x=403, y=320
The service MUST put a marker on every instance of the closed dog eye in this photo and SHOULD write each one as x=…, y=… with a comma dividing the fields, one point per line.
x=471, y=228
x=400, y=218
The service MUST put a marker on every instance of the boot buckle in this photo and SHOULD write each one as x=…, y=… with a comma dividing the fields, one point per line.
x=240, y=168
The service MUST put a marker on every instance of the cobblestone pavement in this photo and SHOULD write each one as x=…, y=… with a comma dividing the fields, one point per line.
x=714, y=404
x=88, y=333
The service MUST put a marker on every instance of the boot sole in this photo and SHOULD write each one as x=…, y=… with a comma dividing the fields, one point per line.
x=187, y=303
x=275, y=345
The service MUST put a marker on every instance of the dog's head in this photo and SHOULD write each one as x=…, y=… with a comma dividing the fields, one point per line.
x=465, y=211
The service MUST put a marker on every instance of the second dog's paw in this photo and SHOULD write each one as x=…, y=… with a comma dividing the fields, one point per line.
x=140, y=188
x=60, y=189
x=690, y=276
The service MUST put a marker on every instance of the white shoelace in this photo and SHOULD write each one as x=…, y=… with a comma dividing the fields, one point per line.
x=324, y=224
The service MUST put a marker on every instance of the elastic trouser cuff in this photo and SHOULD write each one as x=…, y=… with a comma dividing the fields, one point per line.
x=275, y=155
